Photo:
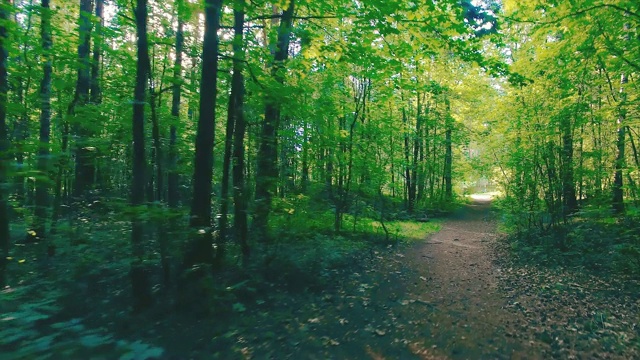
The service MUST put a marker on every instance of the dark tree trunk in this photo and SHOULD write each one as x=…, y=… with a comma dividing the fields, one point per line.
x=448, y=156
x=407, y=167
x=95, y=96
x=570, y=202
x=417, y=153
x=267, y=166
x=157, y=158
x=618, y=191
x=240, y=195
x=4, y=144
x=235, y=109
x=42, y=185
x=173, y=176
x=139, y=277
x=172, y=166
x=200, y=251
x=23, y=80
x=304, y=179
x=84, y=170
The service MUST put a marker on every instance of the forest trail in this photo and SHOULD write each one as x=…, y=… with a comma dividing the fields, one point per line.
x=470, y=316
x=450, y=305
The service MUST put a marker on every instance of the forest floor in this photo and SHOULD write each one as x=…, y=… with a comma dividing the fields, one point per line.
x=455, y=295
x=460, y=293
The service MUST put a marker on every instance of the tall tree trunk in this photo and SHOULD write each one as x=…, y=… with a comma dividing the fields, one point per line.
x=172, y=165
x=448, y=156
x=235, y=109
x=42, y=184
x=416, y=152
x=95, y=96
x=4, y=144
x=618, y=192
x=84, y=170
x=172, y=170
x=23, y=80
x=407, y=167
x=240, y=195
x=267, y=167
x=139, y=277
x=200, y=251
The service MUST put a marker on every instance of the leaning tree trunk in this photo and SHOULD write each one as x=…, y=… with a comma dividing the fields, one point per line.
x=4, y=144
x=200, y=251
x=139, y=277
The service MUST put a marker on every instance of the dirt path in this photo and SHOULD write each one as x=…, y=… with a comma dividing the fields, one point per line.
x=438, y=299
x=446, y=301
x=470, y=317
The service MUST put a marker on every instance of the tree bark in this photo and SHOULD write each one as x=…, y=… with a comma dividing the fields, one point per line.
x=139, y=277
x=200, y=251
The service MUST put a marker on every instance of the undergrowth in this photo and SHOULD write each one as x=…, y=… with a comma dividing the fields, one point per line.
x=76, y=303
x=592, y=240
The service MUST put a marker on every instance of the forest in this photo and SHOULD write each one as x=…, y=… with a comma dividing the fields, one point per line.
x=338, y=179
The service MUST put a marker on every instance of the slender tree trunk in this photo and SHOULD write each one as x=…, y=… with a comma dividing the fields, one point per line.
x=200, y=251
x=156, y=155
x=448, y=156
x=95, y=92
x=42, y=184
x=267, y=167
x=5, y=240
x=618, y=192
x=172, y=166
x=240, y=195
x=568, y=185
x=304, y=179
x=413, y=191
x=223, y=221
x=407, y=167
x=173, y=176
x=23, y=79
x=84, y=170
x=139, y=277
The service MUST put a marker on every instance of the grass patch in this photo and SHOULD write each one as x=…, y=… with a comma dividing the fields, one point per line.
x=408, y=231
